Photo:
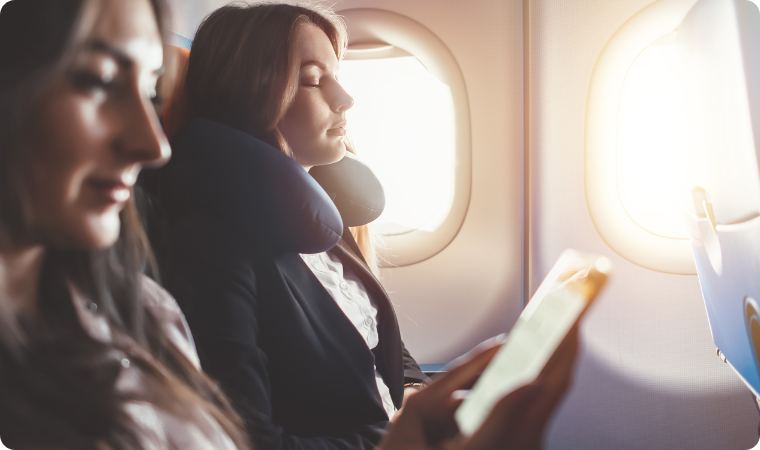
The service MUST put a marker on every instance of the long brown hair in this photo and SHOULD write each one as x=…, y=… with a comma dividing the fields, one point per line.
x=243, y=70
x=366, y=240
x=57, y=384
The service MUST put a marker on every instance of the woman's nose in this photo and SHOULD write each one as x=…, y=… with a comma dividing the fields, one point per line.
x=143, y=140
x=343, y=101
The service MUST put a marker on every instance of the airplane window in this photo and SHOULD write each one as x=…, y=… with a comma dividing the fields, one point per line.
x=411, y=125
x=632, y=157
x=403, y=126
x=648, y=156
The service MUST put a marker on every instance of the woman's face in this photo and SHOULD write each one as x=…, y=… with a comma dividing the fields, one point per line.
x=95, y=128
x=314, y=125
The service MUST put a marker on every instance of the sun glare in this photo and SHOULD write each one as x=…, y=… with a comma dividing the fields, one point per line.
x=648, y=154
x=403, y=127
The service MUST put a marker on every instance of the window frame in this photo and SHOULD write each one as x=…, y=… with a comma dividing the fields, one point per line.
x=612, y=222
x=369, y=27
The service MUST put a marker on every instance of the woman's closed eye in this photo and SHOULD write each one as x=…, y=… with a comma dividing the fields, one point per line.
x=88, y=81
x=310, y=76
x=310, y=82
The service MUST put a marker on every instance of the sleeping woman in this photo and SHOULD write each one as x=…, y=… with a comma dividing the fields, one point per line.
x=285, y=310
x=303, y=339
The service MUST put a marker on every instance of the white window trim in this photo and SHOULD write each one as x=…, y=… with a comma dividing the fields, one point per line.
x=607, y=212
x=377, y=27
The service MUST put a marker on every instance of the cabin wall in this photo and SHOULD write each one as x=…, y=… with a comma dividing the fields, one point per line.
x=649, y=376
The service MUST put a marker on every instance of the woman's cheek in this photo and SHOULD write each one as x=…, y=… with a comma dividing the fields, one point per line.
x=68, y=149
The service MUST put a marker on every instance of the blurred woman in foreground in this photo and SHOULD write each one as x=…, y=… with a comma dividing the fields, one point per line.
x=92, y=353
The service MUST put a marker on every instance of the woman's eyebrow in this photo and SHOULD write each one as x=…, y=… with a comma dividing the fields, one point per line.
x=103, y=47
x=121, y=58
x=314, y=62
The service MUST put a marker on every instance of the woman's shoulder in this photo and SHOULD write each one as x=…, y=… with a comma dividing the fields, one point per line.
x=160, y=303
x=157, y=299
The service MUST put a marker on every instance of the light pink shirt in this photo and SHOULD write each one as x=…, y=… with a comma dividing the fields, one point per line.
x=160, y=429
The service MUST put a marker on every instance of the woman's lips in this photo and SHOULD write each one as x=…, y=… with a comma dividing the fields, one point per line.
x=111, y=192
x=340, y=131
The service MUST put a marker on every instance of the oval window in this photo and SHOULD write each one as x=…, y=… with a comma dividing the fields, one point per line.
x=632, y=161
x=403, y=126
x=649, y=162
x=411, y=124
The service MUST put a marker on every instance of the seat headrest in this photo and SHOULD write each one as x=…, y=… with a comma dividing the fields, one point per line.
x=177, y=111
x=354, y=188
x=252, y=185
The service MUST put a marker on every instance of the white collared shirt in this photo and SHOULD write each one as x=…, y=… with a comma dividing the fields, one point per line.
x=349, y=293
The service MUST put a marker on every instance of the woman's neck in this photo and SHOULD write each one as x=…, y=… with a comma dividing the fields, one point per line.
x=20, y=269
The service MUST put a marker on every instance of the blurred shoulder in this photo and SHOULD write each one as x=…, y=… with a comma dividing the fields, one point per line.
x=157, y=299
x=162, y=306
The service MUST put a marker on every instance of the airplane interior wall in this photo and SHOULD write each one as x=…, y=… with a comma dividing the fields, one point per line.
x=648, y=376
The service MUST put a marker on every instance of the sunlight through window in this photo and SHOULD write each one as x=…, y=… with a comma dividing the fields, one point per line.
x=648, y=155
x=403, y=127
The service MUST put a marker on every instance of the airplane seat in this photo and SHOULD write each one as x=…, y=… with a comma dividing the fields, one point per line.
x=719, y=59
x=177, y=111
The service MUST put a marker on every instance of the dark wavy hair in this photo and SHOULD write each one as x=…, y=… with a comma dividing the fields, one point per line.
x=57, y=384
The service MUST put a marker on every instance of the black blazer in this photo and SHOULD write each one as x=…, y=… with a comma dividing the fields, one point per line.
x=294, y=366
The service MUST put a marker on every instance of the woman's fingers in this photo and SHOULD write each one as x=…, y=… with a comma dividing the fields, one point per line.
x=559, y=368
x=503, y=427
x=465, y=371
x=431, y=411
x=485, y=345
x=517, y=421
x=554, y=382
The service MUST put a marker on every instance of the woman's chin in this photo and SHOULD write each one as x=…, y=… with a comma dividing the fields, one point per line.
x=98, y=233
x=323, y=158
x=338, y=153
x=341, y=152
x=82, y=232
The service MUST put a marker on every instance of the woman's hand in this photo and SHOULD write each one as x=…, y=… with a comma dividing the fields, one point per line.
x=516, y=422
x=409, y=391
